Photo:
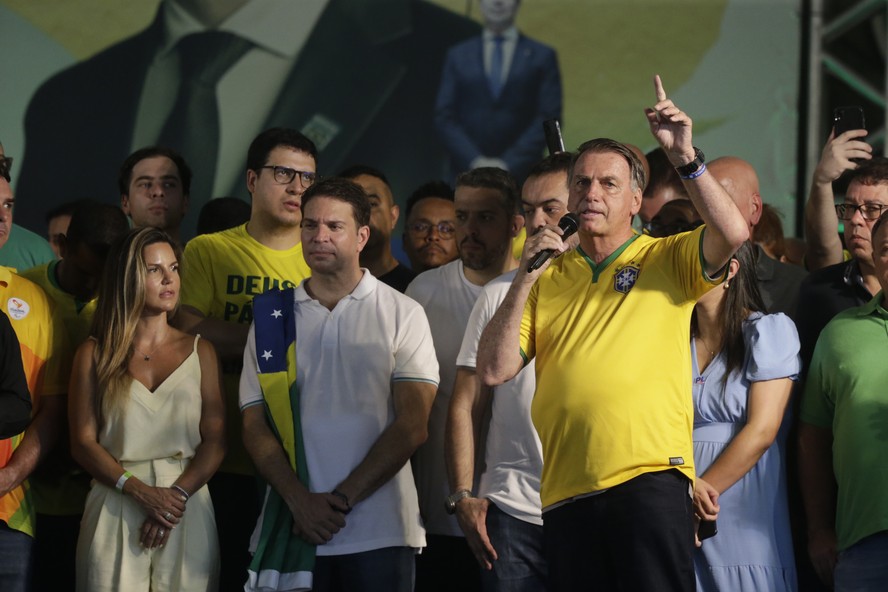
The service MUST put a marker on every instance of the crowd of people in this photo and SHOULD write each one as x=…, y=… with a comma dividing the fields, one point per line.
x=280, y=403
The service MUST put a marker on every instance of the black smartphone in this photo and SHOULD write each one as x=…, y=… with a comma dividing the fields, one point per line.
x=848, y=118
x=707, y=529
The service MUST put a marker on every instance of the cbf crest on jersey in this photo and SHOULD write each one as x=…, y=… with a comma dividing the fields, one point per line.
x=625, y=277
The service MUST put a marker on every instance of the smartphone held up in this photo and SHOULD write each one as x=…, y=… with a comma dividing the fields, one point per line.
x=847, y=119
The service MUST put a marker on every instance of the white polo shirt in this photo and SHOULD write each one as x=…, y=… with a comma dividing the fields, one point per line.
x=347, y=360
x=513, y=460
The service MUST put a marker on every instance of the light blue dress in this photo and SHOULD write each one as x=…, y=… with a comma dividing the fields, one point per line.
x=753, y=548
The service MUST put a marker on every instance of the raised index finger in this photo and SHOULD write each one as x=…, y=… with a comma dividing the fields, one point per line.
x=658, y=87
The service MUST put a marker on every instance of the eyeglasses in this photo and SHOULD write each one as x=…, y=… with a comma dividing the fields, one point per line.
x=285, y=175
x=445, y=229
x=869, y=211
x=5, y=167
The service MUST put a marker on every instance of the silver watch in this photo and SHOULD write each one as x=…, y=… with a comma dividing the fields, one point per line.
x=454, y=498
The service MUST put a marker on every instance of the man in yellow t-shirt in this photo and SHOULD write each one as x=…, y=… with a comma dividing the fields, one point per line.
x=608, y=326
x=221, y=273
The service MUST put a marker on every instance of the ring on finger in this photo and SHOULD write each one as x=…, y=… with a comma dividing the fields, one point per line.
x=167, y=516
x=161, y=532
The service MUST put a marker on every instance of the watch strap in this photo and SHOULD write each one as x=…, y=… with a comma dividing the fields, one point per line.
x=687, y=171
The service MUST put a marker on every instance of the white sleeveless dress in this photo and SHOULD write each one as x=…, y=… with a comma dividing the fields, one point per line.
x=155, y=439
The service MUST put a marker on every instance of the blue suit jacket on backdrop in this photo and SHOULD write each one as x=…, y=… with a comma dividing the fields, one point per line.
x=472, y=123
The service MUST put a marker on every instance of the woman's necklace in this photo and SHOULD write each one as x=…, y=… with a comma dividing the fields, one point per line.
x=147, y=357
x=706, y=346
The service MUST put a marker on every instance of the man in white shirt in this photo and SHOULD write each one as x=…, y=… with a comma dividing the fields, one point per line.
x=503, y=524
x=487, y=221
x=363, y=390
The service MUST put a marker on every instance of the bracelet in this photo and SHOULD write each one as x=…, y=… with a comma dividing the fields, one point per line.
x=126, y=475
x=182, y=491
x=344, y=499
x=696, y=173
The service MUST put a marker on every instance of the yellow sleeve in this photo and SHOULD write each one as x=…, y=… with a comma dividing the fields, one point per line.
x=197, y=274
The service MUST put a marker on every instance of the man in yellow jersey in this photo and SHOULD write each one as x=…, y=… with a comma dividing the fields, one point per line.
x=221, y=273
x=616, y=431
x=43, y=345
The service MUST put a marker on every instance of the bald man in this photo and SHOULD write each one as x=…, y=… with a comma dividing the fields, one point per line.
x=778, y=282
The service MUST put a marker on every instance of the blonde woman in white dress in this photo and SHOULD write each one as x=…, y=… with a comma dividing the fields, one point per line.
x=147, y=422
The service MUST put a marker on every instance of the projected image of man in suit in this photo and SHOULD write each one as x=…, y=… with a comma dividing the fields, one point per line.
x=495, y=92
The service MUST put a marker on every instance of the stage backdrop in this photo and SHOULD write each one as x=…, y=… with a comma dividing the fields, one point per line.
x=362, y=77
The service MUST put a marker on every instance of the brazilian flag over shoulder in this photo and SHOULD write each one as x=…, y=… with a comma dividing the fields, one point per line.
x=282, y=560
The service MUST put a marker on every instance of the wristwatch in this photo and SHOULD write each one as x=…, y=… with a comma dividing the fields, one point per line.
x=453, y=499
x=692, y=167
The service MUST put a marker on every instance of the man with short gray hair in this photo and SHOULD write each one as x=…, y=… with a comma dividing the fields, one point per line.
x=618, y=456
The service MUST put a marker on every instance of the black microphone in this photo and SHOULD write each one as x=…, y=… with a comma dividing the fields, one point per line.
x=569, y=223
x=552, y=131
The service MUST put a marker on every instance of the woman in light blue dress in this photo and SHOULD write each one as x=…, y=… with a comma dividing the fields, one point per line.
x=744, y=362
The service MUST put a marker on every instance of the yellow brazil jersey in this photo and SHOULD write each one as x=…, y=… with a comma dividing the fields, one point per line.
x=221, y=273
x=47, y=363
x=613, y=363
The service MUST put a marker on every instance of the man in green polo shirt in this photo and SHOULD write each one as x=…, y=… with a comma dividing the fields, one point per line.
x=843, y=438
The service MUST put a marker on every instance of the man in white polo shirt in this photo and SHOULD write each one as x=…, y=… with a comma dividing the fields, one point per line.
x=333, y=434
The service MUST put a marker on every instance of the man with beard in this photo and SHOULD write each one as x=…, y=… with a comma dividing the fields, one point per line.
x=487, y=219
x=377, y=254
x=503, y=524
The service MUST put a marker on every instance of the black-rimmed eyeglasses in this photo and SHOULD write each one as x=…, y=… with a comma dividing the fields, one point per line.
x=445, y=229
x=285, y=175
x=869, y=211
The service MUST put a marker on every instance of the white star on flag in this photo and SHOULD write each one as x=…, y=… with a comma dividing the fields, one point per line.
x=267, y=354
x=277, y=314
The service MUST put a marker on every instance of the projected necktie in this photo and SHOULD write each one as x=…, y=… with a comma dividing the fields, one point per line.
x=193, y=125
x=496, y=67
